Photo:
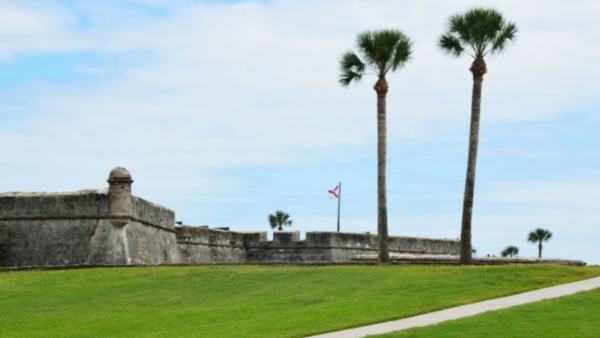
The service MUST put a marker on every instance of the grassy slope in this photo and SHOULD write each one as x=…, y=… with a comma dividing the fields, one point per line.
x=248, y=301
x=574, y=316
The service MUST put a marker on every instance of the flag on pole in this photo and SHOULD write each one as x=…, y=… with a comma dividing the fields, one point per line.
x=337, y=194
x=333, y=193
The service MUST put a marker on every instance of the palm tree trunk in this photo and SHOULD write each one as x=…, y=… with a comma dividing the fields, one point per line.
x=540, y=250
x=478, y=68
x=381, y=87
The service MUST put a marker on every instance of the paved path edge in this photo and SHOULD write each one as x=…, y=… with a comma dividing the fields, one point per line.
x=468, y=310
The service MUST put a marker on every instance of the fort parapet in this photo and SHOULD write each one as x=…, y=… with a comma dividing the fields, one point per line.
x=339, y=246
x=113, y=227
x=88, y=227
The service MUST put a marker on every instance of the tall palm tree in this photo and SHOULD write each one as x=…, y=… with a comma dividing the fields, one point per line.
x=510, y=251
x=539, y=235
x=280, y=219
x=477, y=32
x=380, y=52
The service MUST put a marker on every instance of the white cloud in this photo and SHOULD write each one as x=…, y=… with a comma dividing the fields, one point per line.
x=31, y=27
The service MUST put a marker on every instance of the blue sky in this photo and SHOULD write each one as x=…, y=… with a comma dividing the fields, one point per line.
x=228, y=111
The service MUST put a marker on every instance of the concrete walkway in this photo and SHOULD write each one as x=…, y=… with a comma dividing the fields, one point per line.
x=467, y=310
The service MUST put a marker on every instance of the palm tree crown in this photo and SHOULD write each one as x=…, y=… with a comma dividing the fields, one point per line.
x=279, y=220
x=510, y=251
x=381, y=51
x=477, y=32
x=539, y=235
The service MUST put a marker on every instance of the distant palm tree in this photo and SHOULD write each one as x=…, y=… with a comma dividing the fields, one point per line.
x=280, y=219
x=380, y=52
x=539, y=235
x=477, y=32
x=510, y=251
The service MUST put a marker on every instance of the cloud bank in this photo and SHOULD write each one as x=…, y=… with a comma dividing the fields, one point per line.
x=226, y=112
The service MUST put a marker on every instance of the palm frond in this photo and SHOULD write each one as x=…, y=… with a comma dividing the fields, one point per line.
x=365, y=42
x=279, y=219
x=482, y=29
x=458, y=25
x=508, y=33
x=451, y=45
x=403, y=52
x=483, y=24
x=539, y=235
x=380, y=51
x=352, y=68
x=273, y=221
x=385, y=41
x=510, y=250
x=384, y=50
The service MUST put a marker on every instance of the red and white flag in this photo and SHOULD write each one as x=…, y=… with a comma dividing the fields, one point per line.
x=333, y=193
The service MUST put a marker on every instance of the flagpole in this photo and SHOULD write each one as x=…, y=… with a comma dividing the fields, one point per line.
x=339, y=201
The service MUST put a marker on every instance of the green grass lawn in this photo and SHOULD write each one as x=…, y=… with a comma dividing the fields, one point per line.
x=575, y=316
x=248, y=301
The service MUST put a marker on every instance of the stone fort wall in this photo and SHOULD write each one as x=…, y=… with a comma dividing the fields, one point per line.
x=78, y=229
x=113, y=227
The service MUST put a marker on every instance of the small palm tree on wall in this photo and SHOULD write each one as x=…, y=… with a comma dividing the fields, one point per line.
x=539, y=235
x=279, y=220
x=510, y=251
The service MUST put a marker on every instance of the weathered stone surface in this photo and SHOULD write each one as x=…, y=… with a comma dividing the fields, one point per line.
x=153, y=214
x=254, y=238
x=150, y=245
x=3, y=243
x=285, y=238
x=76, y=228
x=202, y=245
x=417, y=245
x=334, y=246
x=66, y=205
x=48, y=242
x=119, y=196
x=119, y=173
x=107, y=244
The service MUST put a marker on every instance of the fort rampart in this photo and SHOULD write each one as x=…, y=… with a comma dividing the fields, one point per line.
x=113, y=227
